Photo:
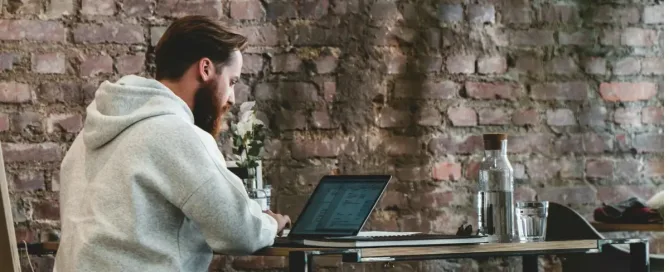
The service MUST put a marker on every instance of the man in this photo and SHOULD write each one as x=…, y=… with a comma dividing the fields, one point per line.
x=144, y=186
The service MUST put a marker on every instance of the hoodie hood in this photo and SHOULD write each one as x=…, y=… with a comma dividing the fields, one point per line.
x=119, y=105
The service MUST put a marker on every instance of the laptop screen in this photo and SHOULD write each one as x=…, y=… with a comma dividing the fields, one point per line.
x=340, y=205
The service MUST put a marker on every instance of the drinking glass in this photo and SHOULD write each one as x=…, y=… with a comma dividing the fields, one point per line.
x=531, y=217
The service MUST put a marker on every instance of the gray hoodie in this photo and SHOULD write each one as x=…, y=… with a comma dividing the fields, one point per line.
x=144, y=189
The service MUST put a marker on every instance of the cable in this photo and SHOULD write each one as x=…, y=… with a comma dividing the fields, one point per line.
x=28, y=255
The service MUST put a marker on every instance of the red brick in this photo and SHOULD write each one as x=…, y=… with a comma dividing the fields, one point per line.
x=610, y=37
x=595, y=66
x=49, y=63
x=614, y=194
x=594, y=143
x=577, y=38
x=626, y=116
x=329, y=90
x=55, y=181
x=401, y=146
x=529, y=65
x=326, y=64
x=532, y=37
x=481, y=14
x=415, y=173
x=383, y=220
x=593, y=116
x=292, y=92
x=431, y=200
x=177, y=8
x=28, y=120
x=291, y=120
x=516, y=14
x=652, y=115
x=281, y=10
x=312, y=35
x=322, y=120
x=313, y=9
x=46, y=210
x=654, y=168
x=447, y=171
x=25, y=234
x=392, y=199
x=137, y=7
x=518, y=144
x=576, y=90
x=450, y=145
x=429, y=117
x=247, y=10
x=497, y=90
x=157, y=32
x=253, y=64
x=98, y=7
x=652, y=66
x=4, y=122
x=14, y=92
x=627, y=91
x=558, y=13
x=526, y=117
x=7, y=61
x=601, y=168
x=542, y=169
x=639, y=37
x=45, y=31
x=472, y=170
x=29, y=181
x=648, y=143
x=610, y=14
x=524, y=193
x=43, y=152
x=395, y=63
x=491, y=65
x=450, y=13
x=461, y=64
x=130, y=64
x=494, y=117
x=573, y=195
x=462, y=116
x=109, y=33
x=303, y=149
x=439, y=90
x=413, y=222
x=430, y=63
x=562, y=66
x=392, y=118
x=286, y=63
x=626, y=66
x=266, y=35
x=72, y=123
x=628, y=169
x=52, y=92
x=653, y=14
x=57, y=8
x=385, y=10
x=560, y=117
x=94, y=65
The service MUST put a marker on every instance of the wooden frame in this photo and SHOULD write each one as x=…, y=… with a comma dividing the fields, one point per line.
x=9, y=253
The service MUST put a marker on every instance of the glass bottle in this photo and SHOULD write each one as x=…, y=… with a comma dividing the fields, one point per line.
x=495, y=192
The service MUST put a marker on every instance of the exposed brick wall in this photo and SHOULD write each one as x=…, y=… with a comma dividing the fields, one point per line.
x=350, y=86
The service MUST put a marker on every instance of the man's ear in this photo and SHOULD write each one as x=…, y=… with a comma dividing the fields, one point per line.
x=205, y=68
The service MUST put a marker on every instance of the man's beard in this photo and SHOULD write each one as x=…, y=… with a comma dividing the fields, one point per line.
x=209, y=109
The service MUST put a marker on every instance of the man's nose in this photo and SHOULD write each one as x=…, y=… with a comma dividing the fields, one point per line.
x=231, y=99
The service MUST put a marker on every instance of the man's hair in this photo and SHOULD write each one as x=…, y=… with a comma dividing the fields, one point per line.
x=192, y=38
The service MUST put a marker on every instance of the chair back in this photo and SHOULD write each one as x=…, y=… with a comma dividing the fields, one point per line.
x=9, y=253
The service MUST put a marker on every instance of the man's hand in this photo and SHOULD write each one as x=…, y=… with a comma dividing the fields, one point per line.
x=282, y=220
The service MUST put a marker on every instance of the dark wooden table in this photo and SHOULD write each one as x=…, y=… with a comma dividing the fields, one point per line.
x=608, y=227
x=299, y=258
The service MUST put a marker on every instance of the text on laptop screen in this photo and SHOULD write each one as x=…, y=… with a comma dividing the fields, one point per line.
x=339, y=206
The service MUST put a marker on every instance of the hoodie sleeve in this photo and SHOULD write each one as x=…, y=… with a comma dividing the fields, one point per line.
x=193, y=169
x=230, y=221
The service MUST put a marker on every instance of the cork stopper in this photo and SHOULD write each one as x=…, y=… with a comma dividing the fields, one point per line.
x=493, y=141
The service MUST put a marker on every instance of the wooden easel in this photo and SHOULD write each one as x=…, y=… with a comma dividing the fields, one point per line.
x=9, y=253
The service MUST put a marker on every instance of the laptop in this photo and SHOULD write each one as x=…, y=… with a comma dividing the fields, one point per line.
x=339, y=207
